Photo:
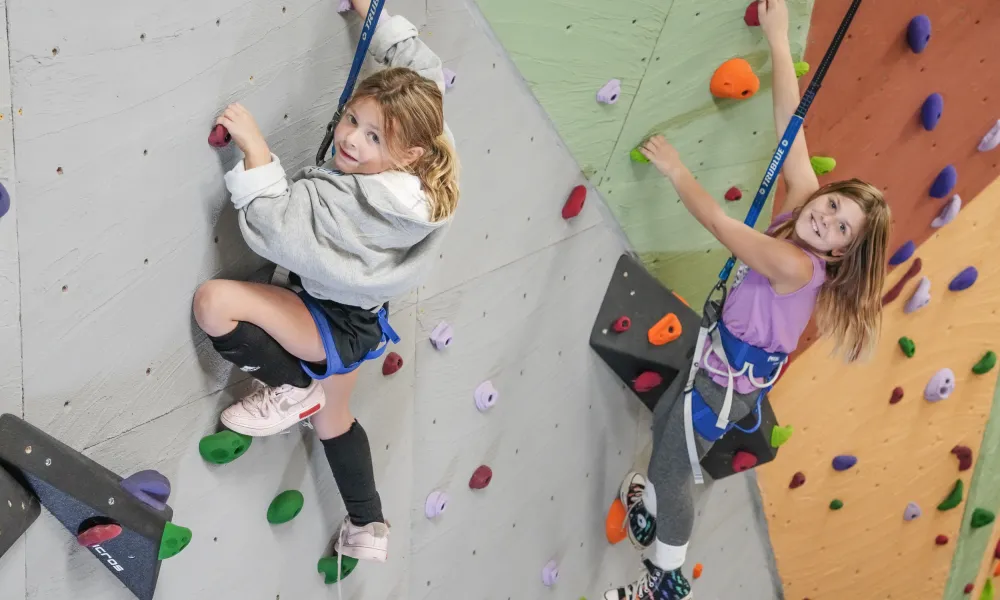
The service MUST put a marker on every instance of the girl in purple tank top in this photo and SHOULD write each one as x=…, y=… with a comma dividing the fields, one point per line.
x=825, y=255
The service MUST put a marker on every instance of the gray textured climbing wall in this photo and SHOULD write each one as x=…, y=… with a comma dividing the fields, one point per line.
x=121, y=212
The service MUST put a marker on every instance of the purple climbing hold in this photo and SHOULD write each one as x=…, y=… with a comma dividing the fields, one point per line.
x=550, y=574
x=918, y=34
x=964, y=280
x=941, y=385
x=903, y=254
x=944, y=182
x=149, y=486
x=486, y=396
x=930, y=112
x=912, y=511
x=844, y=462
x=991, y=140
x=435, y=504
x=4, y=200
x=345, y=5
x=921, y=296
x=610, y=92
x=441, y=336
x=449, y=78
x=948, y=213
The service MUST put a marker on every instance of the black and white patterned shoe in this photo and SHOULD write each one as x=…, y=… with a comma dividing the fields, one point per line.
x=654, y=584
x=641, y=523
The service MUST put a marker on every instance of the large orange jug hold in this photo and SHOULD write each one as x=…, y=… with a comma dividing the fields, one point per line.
x=734, y=79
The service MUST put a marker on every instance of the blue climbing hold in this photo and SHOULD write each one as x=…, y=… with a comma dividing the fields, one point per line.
x=918, y=34
x=903, y=254
x=844, y=462
x=944, y=182
x=4, y=200
x=931, y=111
x=964, y=280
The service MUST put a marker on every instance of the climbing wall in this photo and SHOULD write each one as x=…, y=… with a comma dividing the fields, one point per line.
x=664, y=54
x=119, y=213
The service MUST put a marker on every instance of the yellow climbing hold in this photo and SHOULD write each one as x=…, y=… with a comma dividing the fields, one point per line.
x=801, y=68
x=987, y=591
x=638, y=156
x=823, y=164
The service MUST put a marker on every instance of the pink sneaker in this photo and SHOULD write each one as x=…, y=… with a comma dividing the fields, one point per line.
x=267, y=410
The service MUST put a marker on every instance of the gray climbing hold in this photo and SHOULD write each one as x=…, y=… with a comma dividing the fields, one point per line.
x=921, y=296
x=610, y=92
x=948, y=213
x=991, y=140
x=912, y=511
x=944, y=182
x=930, y=112
x=941, y=385
x=964, y=280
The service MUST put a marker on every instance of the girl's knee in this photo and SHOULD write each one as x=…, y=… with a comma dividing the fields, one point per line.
x=210, y=306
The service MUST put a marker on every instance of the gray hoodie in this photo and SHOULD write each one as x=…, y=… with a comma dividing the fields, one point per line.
x=360, y=240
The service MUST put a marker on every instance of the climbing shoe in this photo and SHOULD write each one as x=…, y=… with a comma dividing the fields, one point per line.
x=270, y=410
x=370, y=542
x=654, y=584
x=223, y=447
x=641, y=523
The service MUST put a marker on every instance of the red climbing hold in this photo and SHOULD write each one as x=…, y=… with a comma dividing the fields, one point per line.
x=646, y=381
x=743, y=461
x=622, y=324
x=751, y=17
x=797, y=480
x=481, y=477
x=98, y=534
x=941, y=540
x=733, y=194
x=574, y=205
x=964, y=454
x=392, y=363
x=996, y=551
x=219, y=137
x=897, y=395
x=893, y=293
x=969, y=587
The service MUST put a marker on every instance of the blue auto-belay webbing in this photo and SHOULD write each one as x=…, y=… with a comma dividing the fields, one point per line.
x=367, y=31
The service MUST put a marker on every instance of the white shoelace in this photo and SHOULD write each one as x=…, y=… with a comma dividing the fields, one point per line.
x=640, y=589
x=263, y=399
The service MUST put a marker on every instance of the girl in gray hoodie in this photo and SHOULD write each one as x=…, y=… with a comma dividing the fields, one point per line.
x=353, y=234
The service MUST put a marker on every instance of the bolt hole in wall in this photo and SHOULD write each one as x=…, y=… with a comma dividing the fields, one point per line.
x=59, y=170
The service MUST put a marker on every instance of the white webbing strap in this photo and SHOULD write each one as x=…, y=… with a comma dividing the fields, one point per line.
x=688, y=417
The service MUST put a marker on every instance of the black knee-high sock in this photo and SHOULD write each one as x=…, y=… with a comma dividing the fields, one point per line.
x=350, y=459
x=254, y=351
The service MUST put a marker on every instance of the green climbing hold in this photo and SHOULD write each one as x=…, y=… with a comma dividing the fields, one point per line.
x=780, y=435
x=638, y=156
x=175, y=538
x=986, y=363
x=223, y=447
x=907, y=346
x=823, y=164
x=801, y=68
x=285, y=507
x=328, y=566
x=836, y=505
x=987, y=593
x=954, y=498
x=981, y=518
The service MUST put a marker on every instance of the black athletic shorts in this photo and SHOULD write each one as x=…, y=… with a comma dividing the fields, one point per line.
x=356, y=331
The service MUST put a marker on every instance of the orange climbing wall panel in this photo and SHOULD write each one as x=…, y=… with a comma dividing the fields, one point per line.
x=866, y=550
x=867, y=114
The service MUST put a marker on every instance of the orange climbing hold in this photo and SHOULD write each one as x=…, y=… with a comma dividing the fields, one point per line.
x=996, y=570
x=698, y=568
x=734, y=79
x=683, y=301
x=614, y=524
x=666, y=330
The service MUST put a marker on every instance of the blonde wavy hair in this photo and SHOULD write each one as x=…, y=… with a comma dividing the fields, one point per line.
x=849, y=306
x=413, y=117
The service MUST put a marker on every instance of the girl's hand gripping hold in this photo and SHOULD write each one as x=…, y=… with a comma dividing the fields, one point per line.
x=664, y=157
x=246, y=134
x=773, y=16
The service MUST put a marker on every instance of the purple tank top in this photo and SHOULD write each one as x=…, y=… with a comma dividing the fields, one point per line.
x=758, y=315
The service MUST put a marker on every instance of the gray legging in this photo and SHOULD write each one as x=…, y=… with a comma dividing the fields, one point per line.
x=669, y=466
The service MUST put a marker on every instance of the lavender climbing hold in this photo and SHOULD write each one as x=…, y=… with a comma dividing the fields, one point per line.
x=912, y=511
x=150, y=487
x=435, y=504
x=921, y=296
x=941, y=385
x=991, y=140
x=610, y=92
x=345, y=5
x=948, y=213
x=944, y=182
x=441, y=336
x=486, y=396
x=964, y=280
x=550, y=573
x=903, y=254
x=449, y=78
x=930, y=112
x=918, y=33
x=844, y=462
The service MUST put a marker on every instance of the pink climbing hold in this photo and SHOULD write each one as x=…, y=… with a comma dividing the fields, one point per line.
x=441, y=336
x=964, y=280
x=844, y=462
x=575, y=202
x=550, y=573
x=964, y=454
x=621, y=324
x=392, y=363
x=921, y=296
x=733, y=194
x=751, y=17
x=486, y=396
x=743, y=461
x=897, y=395
x=449, y=78
x=941, y=385
x=435, y=504
x=609, y=92
x=646, y=381
x=219, y=137
x=99, y=534
x=948, y=213
x=991, y=140
x=345, y=5
x=797, y=480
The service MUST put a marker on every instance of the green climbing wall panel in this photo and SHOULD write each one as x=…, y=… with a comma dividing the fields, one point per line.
x=664, y=53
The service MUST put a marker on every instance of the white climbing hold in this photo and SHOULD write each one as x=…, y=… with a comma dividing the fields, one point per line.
x=486, y=396
x=550, y=574
x=921, y=296
x=441, y=336
x=449, y=78
x=435, y=504
x=992, y=138
x=948, y=213
x=345, y=5
x=610, y=92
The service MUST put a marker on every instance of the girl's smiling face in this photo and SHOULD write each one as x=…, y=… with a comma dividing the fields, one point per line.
x=358, y=140
x=829, y=223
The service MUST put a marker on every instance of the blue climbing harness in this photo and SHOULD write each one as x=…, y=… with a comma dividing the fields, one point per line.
x=367, y=31
x=762, y=368
x=334, y=364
